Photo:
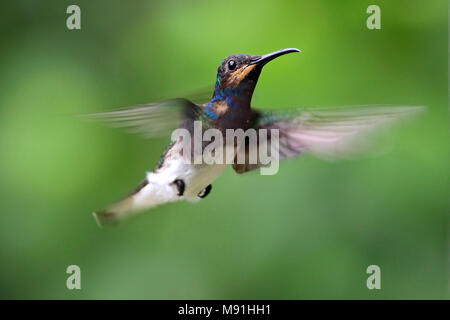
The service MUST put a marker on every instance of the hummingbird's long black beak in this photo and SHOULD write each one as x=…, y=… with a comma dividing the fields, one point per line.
x=270, y=56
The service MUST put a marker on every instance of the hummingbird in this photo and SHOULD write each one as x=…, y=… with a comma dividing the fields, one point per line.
x=330, y=132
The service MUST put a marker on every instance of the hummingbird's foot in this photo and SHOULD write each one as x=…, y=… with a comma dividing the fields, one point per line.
x=205, y=191
x=180, y=186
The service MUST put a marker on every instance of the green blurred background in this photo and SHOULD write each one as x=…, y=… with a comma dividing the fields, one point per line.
x=308, y=232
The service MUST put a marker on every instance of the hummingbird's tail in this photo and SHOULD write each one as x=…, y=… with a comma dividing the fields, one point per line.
x=114, y=213
x=147, y=195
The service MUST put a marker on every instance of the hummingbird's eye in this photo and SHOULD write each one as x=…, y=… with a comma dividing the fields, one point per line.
x=231, y=65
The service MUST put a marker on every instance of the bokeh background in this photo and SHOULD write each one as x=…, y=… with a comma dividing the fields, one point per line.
x=308, y=232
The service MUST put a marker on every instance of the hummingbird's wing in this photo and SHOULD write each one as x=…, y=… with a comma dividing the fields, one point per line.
x=327, y=132
x=157, y=119
x=200, y=95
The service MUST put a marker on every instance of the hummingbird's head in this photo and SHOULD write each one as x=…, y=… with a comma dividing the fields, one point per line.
x=237, y=75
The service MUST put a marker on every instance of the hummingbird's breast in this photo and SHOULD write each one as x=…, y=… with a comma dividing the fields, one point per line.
x=174, y=166
x=228, y=114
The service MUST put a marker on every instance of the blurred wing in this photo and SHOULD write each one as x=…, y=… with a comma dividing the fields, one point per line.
x=330, y=133
x=152, y=120
x=199, y=96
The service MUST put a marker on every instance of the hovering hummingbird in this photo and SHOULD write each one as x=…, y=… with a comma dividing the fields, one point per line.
x=329, y=132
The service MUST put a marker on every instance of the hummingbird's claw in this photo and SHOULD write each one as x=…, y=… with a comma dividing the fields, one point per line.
x=205, y=191
x=180, y=186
